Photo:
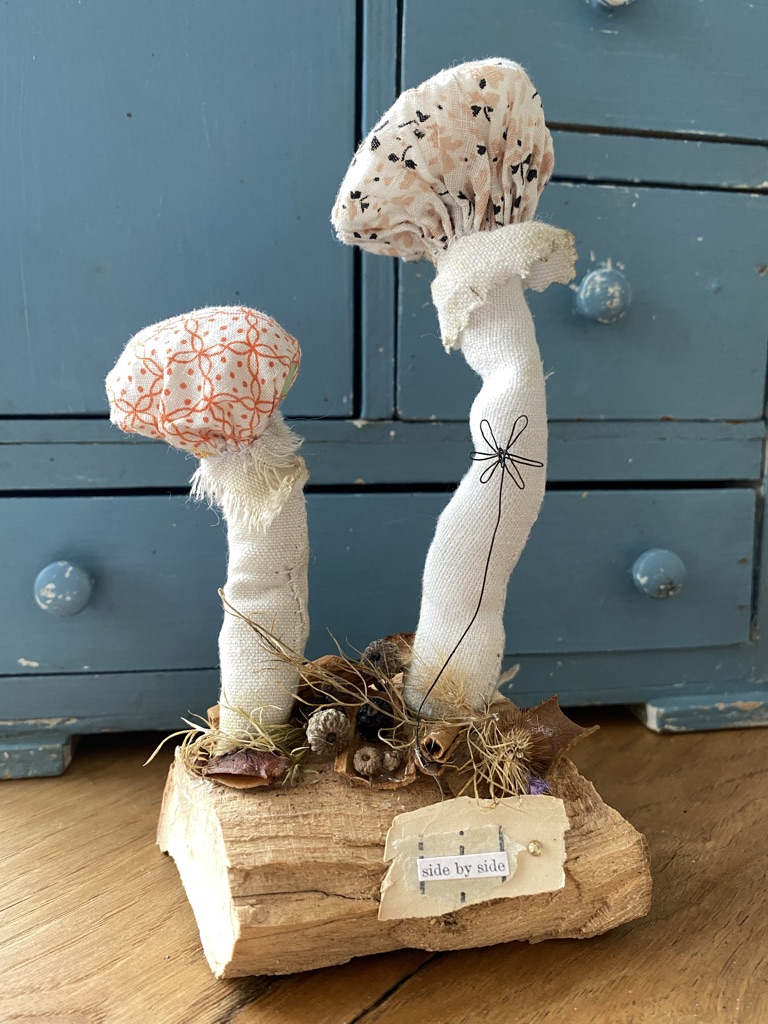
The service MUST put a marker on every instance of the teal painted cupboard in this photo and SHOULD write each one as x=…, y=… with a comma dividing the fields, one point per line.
x=159, y=157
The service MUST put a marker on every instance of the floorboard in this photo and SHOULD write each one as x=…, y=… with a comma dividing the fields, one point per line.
x=95, y=929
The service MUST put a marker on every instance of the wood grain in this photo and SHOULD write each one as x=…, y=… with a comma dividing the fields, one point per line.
x=94, y=928
x=698, y=958
x=288, y=880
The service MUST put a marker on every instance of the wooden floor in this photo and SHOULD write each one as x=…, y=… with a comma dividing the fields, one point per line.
x=95, y=928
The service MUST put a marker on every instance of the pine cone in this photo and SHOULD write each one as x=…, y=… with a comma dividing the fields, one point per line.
x=328, y=731
x=384, y=657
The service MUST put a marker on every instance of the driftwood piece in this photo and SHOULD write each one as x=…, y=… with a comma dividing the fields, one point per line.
x=285, y=880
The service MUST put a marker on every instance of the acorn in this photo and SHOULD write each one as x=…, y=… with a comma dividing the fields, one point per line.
x=390, y=760
x=368, y=761
x=374, y=716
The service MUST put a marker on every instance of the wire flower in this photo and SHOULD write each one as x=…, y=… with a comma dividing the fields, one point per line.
x=504, y=457
x=509, y=462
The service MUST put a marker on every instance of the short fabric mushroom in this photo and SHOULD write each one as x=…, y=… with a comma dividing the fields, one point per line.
x=453, y=173
x=210, y=383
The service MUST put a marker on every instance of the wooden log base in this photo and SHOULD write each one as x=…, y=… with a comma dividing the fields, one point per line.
x=285, y=880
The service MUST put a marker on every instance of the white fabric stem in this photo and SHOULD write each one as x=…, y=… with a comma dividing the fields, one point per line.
x=498, y=341
x=267, y=582
x=260, y=491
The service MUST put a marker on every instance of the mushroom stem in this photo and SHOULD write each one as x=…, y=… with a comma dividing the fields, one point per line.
x=260, y=492
x=482, y=531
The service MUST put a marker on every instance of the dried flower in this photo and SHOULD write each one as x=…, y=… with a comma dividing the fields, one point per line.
x=538, y=787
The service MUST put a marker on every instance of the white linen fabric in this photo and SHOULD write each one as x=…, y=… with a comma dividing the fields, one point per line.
x=483, y=530
x=210, y=382
x=537, y=253
x=260, y=492
x=453, y=173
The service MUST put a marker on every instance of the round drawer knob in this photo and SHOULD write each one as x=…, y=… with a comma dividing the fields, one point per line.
x=659, y=573
x=62, y=589
x=604, y=296
x=610, y=5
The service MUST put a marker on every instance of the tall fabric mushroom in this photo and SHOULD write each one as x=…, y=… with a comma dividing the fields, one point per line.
x=453, y=174
x=210, y=382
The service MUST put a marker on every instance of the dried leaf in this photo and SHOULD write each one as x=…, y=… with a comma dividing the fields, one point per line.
x=510, y=747
x=335, y=665
x=556, y=732
x=404, y=644
x=238, y=781
x=258, y=764
x=330, y=681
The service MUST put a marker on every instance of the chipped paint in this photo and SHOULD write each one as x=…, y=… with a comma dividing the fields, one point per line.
x=680, y=715
x=649, y=715
x=604, y=295
x=37, y=723
x=26, y=663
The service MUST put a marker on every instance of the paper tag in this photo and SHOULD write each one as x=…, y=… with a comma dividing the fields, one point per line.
x=471, y=865
x=437, y=853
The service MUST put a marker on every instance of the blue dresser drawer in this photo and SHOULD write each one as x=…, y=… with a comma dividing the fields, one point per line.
x=691, y=345
x=693, y=66
x=173, y=159
x=156, y=564
x=573, y=589
x=160, y=157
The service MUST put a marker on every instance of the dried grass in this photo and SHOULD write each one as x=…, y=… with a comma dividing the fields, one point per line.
x=199, y=743
x=498, y=757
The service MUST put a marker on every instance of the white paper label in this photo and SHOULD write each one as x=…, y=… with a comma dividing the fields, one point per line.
x=436, y=853
x=470, y=865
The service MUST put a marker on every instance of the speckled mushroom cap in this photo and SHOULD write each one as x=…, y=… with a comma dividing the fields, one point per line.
x=466, y=151
x=206, y=381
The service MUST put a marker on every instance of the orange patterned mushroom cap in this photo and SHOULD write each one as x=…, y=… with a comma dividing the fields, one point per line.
x=206, y=381
x=466, y=151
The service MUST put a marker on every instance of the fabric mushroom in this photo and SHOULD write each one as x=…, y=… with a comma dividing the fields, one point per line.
x=453, y=173
x=210, y=383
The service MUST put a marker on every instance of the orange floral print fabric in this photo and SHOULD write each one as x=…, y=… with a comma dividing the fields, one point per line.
x=466, y=151
x=206, y=382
